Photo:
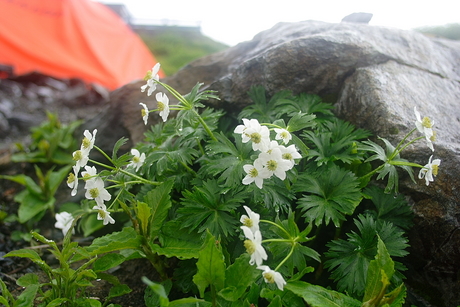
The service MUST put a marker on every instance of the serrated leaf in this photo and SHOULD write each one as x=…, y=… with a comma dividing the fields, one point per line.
x=301, y=121
x=332, y=194
x=27, y=280
x=108, y=261
x=211, y=267
x=317, y=296
x=122, y=141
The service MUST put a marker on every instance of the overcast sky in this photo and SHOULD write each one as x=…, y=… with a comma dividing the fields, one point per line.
x=235, y=21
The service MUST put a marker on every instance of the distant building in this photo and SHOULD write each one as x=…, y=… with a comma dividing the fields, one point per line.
x=153, y=25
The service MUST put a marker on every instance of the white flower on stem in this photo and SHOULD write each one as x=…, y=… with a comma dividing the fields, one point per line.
x=88, y=141
x=81, y=158
x=103, y=214
x=255, y=173
x=253, y=131
x=254, y=246
x=72, y=180
x=64, y=222
x=290, y=153
x=271, y=276
x=138, y=159
x=95, y=190
x=152, y=78
x=163, y=105
x=89, y=176
x=283, y=134
x=425, y=126
x=251, y=220
x=275, y=164
x=429, y=170
x=144, y=112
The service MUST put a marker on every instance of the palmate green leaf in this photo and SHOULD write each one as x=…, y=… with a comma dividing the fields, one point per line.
x=274, y=195
x=389, y=208
x=226, y=159
x=211, y=267
x=207, y=207
x=301, y=121
x=317, y=296
x=332, y=194
x=263, y=109
x=348, y=260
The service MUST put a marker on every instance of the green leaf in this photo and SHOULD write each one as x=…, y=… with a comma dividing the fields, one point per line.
x=25, y=253
x=122, y=141
x=161, y=295
x=208, y=207
x=27, y=280
x=159, y=200
x=301, y=121
x=125, y=239
x=108, y=261
x=332, y=194
x=349, y=259
x=56, y=178
x=379, y=273
x=176, y=242
x=31, y=205
x=57, y=302
x=238, y=277
x=26, y=299
x=317, y=296
x=211, y=267
x=118, y=290
x=143, y=214
x=276, y=302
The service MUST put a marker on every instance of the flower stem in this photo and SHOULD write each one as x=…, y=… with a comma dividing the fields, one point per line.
x=274, y=224
x=288, y=255
x=139, y=178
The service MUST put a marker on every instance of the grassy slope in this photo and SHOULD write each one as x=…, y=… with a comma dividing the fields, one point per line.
x=175, y=47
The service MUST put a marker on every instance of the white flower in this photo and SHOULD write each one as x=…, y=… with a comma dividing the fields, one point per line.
x=81, y=158
x=138, y=159
x=254, y=246
x=144, y=112
x=72, y=180
x=425, y=126
x=88, y=141
x=252, y=131
x=103, y=215
x=64, y=221
x=429, y=170
x=274, y=163
x=89, y=176
x=95, y=190
x=290, y=153
x=251, y=220
x=163, y=105
x=152, y=79
x=255, y=173
x=271, y=276
x=283, y=134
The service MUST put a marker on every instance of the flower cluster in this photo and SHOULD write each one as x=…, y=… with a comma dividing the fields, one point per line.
x=254, y=247
x=425, y=126
x=94, y=184
x=152, y=79
x=274, y=158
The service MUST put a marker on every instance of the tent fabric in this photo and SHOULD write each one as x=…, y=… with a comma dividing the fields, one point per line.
x=71, y=39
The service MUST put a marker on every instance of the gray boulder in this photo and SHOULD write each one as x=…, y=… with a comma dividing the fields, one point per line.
x=375, y=76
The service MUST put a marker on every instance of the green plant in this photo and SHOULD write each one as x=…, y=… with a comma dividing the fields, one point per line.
x=293, y=191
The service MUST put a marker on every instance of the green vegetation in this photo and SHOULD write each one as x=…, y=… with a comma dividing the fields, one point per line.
x=175, y=47
x=450, y=31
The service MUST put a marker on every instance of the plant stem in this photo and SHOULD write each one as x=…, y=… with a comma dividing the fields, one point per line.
x=274, y=224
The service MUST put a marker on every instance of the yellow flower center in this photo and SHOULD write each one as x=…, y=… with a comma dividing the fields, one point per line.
x=250, y=247
x=248, y=222
x=71, y=178
x=101, y=213
x=256, y=137
x=435, y=169
x=433, y=137
x=86, y=176
x=161, y=106
x=148, y=75
x=94, y=192
x=272, y=165
x=143, y=112
x=287, y=156
x=269, y=277
x=284, y=135
x=86, y=143
x=136, y=159
x=77, y=156
x=253, y=173
x=426, y=122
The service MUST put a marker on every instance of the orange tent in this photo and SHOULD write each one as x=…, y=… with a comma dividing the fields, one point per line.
x=71, y=39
